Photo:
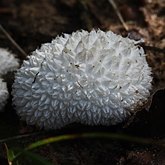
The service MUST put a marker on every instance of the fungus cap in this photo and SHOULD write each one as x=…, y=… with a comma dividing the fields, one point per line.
x=3, y=94
x=7, y=61
x=88, y=77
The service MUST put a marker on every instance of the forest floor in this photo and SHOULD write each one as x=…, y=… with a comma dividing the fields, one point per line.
x=31, y=23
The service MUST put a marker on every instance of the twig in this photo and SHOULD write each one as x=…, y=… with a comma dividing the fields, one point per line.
x=118, y=14
x=24, y=55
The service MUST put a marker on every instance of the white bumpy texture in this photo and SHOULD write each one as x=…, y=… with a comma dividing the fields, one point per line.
x=3, y=94
x=7, y=63
x=88, y=77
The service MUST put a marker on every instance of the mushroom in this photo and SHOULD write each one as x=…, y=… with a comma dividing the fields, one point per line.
x=3, y=94
x=7, y=63
x=95, y=78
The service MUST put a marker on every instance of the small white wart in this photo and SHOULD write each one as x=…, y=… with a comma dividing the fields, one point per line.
x=95, y=78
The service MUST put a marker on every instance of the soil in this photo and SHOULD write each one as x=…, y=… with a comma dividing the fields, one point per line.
x=31, y=23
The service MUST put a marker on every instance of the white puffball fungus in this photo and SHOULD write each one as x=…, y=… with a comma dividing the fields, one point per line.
x=88, y=77
x=7, y=63
x=3, y=94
